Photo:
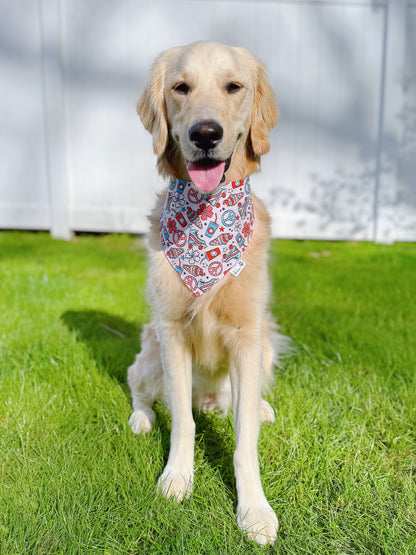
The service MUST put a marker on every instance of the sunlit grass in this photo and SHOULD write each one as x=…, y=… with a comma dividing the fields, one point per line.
x=338, y=466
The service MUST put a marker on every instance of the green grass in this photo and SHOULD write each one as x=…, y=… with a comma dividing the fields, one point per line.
x=338, y=466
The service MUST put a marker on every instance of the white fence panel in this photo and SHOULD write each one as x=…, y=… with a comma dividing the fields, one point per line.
x=326, y=64
x=74, y=155
x=24, y=195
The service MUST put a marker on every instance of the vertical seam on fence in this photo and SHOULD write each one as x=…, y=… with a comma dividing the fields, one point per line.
x=53, y=99
x=391, y=104
x=380, y=122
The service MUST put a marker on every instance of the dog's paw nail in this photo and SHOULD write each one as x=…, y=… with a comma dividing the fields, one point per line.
x=141, y=422
x=260, y=524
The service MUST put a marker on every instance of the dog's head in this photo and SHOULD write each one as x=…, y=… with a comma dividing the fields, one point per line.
x=210, y=109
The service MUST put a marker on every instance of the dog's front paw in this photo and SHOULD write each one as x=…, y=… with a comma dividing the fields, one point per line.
x=141, y=421
x=260, y=523
x=175, y=485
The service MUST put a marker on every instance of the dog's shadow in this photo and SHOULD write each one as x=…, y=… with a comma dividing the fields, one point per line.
x=215, y=435
x=113, y=343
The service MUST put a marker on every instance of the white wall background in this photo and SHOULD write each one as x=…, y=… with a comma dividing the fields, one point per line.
x=73, y=154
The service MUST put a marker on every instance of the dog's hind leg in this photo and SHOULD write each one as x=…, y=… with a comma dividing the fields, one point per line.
x=145, y=379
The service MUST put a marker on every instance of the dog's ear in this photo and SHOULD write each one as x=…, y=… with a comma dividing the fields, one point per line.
x=151, y=106
x=264, y=114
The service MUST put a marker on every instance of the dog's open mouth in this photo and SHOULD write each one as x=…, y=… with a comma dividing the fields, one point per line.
x=207, y=173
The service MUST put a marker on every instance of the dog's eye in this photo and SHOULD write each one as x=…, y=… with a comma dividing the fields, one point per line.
x=233, y=87
x=182, y=88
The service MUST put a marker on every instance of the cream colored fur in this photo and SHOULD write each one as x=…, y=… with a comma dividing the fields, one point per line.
x=217, y=350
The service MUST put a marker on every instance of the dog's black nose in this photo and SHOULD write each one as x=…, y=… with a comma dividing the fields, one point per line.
x=206, y=134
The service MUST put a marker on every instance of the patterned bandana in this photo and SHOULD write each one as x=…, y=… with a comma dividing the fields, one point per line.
x=203, y=235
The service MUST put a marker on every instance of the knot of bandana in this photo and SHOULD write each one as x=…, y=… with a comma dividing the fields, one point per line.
x=204, y=235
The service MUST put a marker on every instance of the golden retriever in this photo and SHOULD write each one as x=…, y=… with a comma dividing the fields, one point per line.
x=212, y=342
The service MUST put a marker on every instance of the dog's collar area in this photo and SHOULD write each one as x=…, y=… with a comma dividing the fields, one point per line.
x=204, y=235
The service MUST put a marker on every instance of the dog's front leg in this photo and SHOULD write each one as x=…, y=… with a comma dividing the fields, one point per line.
x=177, y=478
x=254, y=514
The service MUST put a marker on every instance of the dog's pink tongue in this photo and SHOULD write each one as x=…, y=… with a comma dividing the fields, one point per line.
x=206, y=179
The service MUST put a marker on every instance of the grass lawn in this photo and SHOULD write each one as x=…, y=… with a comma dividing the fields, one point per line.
x=338, y=466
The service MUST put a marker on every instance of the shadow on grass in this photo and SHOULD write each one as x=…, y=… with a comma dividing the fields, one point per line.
x=113, y=343
x=215, y=436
